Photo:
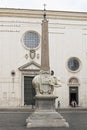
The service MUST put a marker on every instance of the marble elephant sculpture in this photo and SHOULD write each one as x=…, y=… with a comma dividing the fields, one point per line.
x=48, y=88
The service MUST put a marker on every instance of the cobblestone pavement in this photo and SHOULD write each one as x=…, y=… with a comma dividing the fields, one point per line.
x=15, y=120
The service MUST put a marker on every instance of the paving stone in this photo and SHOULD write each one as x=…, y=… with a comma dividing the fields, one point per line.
x=17, y=120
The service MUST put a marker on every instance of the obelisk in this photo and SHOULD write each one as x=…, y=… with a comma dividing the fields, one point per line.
x=45, y=44
x=45, y=114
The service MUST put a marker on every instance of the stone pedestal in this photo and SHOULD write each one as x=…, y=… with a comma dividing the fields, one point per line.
x=45, y=114
x=45, y=102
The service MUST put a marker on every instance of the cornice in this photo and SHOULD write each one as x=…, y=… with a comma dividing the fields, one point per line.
x=30, y=13
x=24, y=13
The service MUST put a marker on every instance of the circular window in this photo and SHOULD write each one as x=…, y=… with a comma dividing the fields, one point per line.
x=73, y=64
x=31, y=39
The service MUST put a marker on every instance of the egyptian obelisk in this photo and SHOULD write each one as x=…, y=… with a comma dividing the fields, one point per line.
x=45, y=114
x=45, y=44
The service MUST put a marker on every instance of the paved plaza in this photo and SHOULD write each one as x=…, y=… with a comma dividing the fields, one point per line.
x=15, y=120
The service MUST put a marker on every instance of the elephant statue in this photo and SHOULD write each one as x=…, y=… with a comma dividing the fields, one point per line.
x=44, y=84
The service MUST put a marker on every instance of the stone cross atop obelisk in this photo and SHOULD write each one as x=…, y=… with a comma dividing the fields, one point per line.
x=45, y=44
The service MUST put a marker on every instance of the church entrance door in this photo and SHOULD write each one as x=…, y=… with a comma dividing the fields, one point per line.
x=73, y=95
x=29, y=91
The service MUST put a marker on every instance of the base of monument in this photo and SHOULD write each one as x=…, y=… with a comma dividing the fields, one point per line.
x=46, y=119
x=45, y=114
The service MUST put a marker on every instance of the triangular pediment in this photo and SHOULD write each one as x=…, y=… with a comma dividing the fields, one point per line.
x=30, y=66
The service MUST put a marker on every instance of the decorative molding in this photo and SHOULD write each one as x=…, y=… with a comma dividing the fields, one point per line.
x=30, y=13
x=9, y=30
x=62, y=23
x=53, y=27
x=9, y=25
x=84, y=28
x=38, y=56
x=30, y=66
x=31, y=72
x=56, y=32
x=20, y=23
x=73, y=81
x=84, y=34
x=26, y=56
x=32, y=54
x=58, y=25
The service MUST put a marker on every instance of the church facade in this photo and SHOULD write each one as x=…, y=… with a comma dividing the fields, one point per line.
x=20, y=54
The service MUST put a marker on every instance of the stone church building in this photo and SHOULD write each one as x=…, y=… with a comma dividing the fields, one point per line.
x=20, y=54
